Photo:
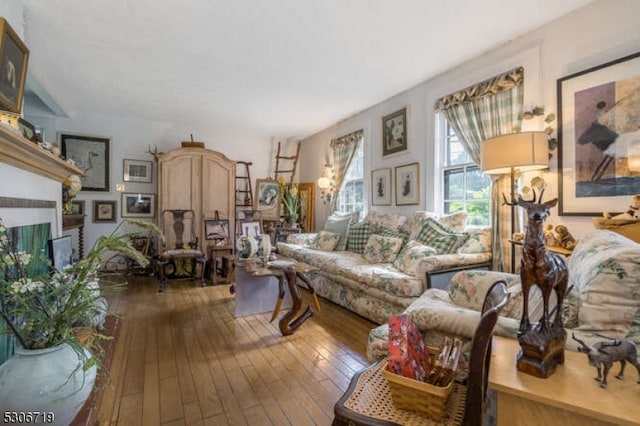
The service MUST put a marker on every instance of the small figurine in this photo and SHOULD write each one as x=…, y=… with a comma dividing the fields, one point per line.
x=633, y=213
x=606, y=353
x=565, y=239
x=550, y=237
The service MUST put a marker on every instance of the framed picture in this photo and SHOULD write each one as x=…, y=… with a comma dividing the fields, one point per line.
x=104, y=211
x=77, y=207
x=137, y=170
x=306, y=209
x=599, y=153
x=250, y=228
x=14, y=57
x=381, y=187
x=27, y=129
x=408, y=184
x=267, y=198
x=138, y=205
x=394, y=132
x=216, y=229
x=61, y=252
x=91, y=155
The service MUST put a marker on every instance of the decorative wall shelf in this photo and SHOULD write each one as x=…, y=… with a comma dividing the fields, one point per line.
x=20, y=152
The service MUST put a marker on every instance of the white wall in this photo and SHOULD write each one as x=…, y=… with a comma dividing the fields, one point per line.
x=600, y=32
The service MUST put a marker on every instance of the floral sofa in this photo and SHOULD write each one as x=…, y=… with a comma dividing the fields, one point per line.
x=603, y=301
x=378, y=267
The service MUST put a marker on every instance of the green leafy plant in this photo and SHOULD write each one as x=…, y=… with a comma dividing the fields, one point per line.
x=43, y=310
x=290, y=196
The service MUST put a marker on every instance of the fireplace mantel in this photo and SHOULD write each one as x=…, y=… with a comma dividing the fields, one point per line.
x=20, y=152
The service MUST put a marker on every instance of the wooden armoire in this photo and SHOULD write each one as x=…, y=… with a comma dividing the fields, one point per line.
x=199, y=179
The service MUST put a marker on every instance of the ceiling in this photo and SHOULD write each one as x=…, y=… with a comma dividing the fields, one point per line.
x=279, y=67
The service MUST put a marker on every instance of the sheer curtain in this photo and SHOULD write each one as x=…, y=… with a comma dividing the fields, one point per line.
x=343, y=150
x=490, y=108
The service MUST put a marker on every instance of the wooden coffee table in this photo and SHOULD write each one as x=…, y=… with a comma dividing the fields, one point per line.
x=287, y=272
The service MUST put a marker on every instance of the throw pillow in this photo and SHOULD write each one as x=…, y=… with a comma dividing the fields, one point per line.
x=325, y=241
x=456, y=222
x=479, y=241
x=381, y=249
x=443, y=240
x=411, y=256
x=358, y=236
x=339, y=226
x=379, y=220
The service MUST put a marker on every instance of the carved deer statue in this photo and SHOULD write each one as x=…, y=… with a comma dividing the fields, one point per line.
x=545, y=269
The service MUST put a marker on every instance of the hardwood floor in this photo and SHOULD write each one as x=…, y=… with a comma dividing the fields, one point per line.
x=183, y=359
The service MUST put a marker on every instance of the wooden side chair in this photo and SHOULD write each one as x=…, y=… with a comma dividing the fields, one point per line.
x=368, y=400
x=180, y=253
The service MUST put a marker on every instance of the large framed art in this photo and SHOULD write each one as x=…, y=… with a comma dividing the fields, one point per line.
x=14, y=57
x=91, y=155
x=599, y=138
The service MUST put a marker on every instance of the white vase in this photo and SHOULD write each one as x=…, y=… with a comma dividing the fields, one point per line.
x=45, y=380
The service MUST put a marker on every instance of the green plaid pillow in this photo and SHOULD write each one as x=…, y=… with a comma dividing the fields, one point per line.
x=386, y=232
x=440, y=238
x=358, y=237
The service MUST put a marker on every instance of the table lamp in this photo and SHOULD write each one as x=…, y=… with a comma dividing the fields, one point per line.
x=504, y=154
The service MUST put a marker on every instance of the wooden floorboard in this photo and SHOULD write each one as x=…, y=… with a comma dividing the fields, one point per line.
x=183, y=359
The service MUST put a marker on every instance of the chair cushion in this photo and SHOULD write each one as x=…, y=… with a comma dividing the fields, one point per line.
x=381, y=249
x=325, y=241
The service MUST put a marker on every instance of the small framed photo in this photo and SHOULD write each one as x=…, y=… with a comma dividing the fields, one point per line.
x=137, y=171
x=216, y=229
x=77, y=207
x=104, y=211
x=138, y=205
x=61, y=252
x=27, y=129
x=14, y=56
x=381, y=187
x=394, y=132
x=252, y=228
x=408, y=184
x=92, y=155
x=267, y=199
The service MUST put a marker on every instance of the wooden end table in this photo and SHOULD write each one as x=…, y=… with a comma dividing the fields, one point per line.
x=287, y=272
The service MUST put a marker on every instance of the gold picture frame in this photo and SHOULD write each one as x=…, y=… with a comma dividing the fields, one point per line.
x=306, y=209
x=14, y=57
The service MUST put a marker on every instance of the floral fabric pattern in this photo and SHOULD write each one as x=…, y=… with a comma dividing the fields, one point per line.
x=390, y=221
x=325, y=241
x=381, y=249
x=411, y=255
x=339, y=226
x=479, y=240
x=301, y=239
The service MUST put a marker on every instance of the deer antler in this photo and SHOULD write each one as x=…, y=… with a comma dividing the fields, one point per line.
x=153, y=152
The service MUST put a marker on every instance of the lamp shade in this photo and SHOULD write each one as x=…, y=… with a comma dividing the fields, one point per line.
x=523, y=151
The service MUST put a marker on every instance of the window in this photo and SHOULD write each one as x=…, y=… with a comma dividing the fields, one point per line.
x=464, y=185
x=351, y=194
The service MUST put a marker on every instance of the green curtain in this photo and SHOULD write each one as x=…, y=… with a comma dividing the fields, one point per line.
x=480, y=112
x=343, y=150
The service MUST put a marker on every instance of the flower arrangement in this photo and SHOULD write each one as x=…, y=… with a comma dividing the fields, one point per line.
x=43, y=309
x=70, y=188
x=290, y=197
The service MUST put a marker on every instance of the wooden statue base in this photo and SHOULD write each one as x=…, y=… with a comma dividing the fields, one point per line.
x=541, y=350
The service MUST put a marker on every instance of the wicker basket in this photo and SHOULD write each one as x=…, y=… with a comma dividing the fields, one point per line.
x=410, y=394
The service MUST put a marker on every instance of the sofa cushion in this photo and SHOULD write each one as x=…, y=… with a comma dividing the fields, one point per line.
x=479, y=240
x=455, y=222
x=440, y=238
x=379, y=220
x=339, y=226
x=605, y=267
x=325, y=241
x=358, y=236
x=381, y=249
x=386, y=232
x=411, y=256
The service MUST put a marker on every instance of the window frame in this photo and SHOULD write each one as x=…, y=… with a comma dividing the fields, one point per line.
x=359, y=155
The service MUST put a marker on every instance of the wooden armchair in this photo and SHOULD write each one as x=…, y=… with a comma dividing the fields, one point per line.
x=180, y=252
x=368, y=400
